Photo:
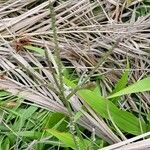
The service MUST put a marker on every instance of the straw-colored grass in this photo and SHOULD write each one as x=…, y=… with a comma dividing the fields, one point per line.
x=86, y=31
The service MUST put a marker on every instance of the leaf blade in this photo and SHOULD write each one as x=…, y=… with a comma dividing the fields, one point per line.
x=140, y=86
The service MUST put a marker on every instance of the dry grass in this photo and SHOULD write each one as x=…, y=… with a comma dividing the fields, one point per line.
x=84, y=36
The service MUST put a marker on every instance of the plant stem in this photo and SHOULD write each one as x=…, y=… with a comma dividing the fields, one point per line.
x=60, y=75
x=57, y=49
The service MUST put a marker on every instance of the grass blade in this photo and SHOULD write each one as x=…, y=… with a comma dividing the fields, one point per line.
x=140, y=86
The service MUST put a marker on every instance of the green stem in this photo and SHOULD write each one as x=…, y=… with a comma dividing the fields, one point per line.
x=57, y=49
x=60, y=75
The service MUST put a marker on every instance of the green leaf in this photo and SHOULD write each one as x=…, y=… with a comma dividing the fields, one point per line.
x=3, y=93
x=123, y=119
x=29, y=112
x=32, y=134
x=121, y=83
x=25, y=114
x=97, y=90
x=35, y=49
x=6, y=144
x=67, y=139
x=56, y=121
x=69, y=83
x=140, y=86
x=1, y=141
x=97, y=102
x=28, y=134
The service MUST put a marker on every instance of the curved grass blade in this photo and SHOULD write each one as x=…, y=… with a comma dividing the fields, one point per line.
x=140, y=86
x=67, y=139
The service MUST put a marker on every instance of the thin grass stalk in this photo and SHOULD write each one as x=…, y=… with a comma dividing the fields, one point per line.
x=57, y=49
x=60, y=75
x=52, y=70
